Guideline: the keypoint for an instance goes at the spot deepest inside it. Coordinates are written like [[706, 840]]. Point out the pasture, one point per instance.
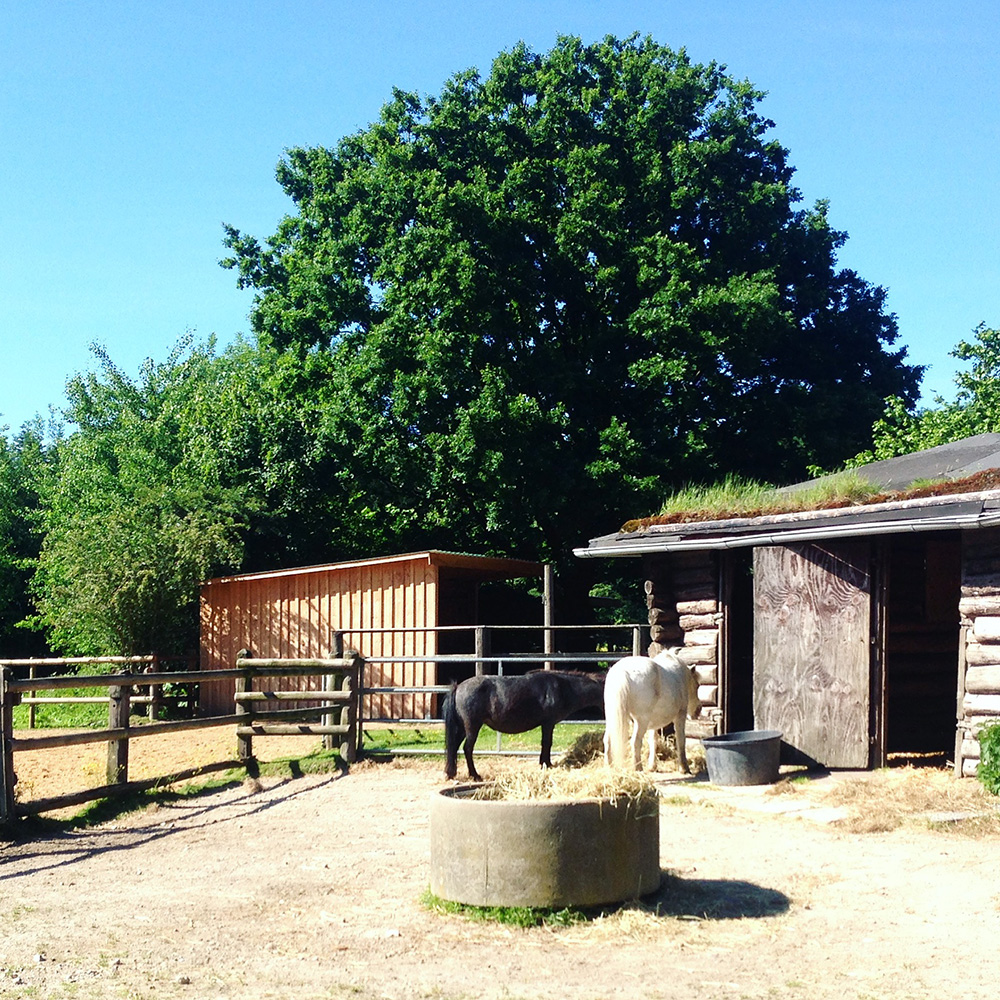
[[312, 887]]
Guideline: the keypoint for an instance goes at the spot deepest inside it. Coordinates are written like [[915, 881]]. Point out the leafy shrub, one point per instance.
[[989, 757]]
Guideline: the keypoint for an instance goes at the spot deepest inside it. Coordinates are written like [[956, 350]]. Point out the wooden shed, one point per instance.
[[298, 612], [860, 632]]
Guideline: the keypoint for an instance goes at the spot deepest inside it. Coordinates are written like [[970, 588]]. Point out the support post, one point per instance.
[[548, 599], [351, 682], [244, 709], [8, 779], [155, 690], [119, 709], [32, 706], [329, 716], [483, 648]]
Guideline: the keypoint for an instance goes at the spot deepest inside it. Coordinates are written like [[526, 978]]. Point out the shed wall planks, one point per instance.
[[297, 616], [296, 613]]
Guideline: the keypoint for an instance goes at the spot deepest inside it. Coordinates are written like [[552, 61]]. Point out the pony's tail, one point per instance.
[[617, 741], [452, 732]]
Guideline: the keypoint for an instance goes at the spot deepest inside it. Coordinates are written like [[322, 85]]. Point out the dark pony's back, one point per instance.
[[514, 704]]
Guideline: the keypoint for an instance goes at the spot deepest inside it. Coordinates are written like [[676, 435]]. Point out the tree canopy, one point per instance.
[[556, 291], [975, 408], [131, 523], [501, 319]]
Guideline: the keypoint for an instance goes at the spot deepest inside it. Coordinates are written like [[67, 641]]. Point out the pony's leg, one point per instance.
[[545, 758], [679, 727], [637, 733], [651, 751], [471, 735], [607, 747]]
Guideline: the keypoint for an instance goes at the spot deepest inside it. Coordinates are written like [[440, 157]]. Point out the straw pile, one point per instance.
[[593, 782]]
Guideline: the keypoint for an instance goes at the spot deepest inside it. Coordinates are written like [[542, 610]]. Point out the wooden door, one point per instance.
[[812, 649]]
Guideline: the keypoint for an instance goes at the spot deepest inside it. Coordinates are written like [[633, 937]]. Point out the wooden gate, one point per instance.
[[812, 649]]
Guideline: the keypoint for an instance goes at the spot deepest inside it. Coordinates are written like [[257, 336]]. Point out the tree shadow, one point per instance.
[[713, 899]]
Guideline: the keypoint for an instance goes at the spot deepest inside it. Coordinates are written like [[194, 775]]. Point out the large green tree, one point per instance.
[[27, 464], [557, 291], [135, 518], [975, 408]]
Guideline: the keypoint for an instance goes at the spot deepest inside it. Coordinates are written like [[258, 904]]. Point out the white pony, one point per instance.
[[650, 693]]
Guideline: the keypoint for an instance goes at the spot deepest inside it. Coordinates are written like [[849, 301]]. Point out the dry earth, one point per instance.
[[311, 887]]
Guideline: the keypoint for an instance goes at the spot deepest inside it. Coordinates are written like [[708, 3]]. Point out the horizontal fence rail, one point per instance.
[[335, 714], [154, 699], [336, 710]]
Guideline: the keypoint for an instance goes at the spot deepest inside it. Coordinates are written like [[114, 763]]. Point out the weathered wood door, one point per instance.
[[812, 648]]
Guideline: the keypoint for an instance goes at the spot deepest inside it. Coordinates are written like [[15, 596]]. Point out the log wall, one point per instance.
[[979, 608], [684, 610]]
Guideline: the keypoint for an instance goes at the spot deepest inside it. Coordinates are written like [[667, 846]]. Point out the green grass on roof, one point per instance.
[[735, 497]]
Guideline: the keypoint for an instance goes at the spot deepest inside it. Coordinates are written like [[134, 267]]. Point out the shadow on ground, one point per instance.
[[714, 899]]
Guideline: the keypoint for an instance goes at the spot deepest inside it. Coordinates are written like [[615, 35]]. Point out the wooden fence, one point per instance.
[[154, 699], [257, 712]]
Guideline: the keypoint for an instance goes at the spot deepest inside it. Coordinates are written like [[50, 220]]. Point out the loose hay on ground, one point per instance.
[[589, 748], [881, 801]]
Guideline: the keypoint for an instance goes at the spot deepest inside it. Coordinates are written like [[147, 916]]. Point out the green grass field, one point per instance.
[[430, 736]]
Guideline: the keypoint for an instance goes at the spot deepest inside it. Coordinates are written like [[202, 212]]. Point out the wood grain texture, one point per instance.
[[811, 649]]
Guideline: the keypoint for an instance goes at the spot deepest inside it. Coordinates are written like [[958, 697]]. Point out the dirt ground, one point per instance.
[[311, 887]]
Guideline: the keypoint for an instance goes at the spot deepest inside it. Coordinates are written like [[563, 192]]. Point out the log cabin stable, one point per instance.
[[862, 633]]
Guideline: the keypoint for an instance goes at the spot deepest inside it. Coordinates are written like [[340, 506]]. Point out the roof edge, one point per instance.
[[433, 557]]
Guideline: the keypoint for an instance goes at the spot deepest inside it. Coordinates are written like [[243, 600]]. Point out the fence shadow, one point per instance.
[[49, 844]]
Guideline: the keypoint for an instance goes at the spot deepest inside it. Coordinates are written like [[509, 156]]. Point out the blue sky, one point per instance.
[[129, 132]]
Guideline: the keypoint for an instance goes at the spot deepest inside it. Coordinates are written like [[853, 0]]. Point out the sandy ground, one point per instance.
[[311, 887]]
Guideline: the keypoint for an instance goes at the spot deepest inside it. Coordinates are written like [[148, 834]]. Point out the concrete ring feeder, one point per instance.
[[541, 852]]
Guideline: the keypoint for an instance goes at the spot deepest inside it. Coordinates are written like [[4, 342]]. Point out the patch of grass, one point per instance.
[[675, 800], [735, 497], [66, 716], [430, 736], [738, 497], [515, 916]]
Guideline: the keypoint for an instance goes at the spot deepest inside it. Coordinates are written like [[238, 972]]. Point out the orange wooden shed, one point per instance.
[[295, 613]]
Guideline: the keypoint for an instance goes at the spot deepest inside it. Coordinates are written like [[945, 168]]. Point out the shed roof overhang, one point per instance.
[[482, 567], [943, 513]]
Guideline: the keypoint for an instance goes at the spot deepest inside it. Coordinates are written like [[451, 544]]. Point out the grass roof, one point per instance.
[[736, 498]]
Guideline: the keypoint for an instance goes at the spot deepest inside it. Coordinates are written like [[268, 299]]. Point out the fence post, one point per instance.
[[154, 689], [32, 706], [7, 776], [119, 709], [244, 683], [351, 682], [329, 684], [637, 640], [357, 719], [548, 600], [483, 648]]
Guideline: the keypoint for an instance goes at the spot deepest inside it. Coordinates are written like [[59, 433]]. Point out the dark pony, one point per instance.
[[514, 704]]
